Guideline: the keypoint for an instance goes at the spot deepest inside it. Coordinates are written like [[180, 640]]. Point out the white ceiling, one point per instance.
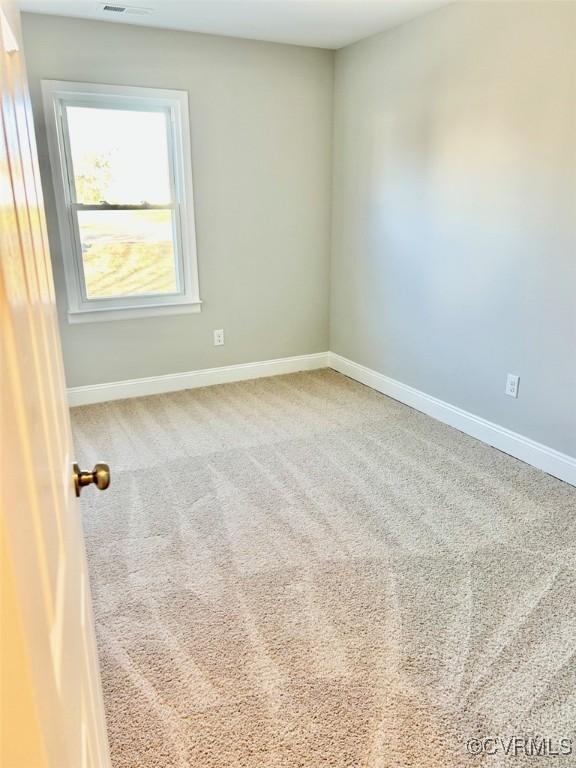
[[319, 23]]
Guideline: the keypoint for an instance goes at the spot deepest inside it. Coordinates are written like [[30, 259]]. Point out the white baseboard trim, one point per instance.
[[541, 456], [155, 385]]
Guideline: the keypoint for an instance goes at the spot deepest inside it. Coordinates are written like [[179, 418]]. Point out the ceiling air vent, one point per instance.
[[127, 9]]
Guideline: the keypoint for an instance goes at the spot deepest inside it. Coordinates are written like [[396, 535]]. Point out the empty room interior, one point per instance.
[[288, 334]]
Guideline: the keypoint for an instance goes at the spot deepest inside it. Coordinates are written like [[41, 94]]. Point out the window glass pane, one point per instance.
[[119, 156], [127, 253]]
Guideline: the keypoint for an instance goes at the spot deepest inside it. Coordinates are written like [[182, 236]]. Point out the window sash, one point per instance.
[[123, 206], [128, 106], [59, 95], [104, 206], [129, 299]]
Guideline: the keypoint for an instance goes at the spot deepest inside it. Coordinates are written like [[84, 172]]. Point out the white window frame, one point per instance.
[[58, 94]]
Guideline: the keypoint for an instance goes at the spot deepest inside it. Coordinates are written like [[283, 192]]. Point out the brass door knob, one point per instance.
[[100, 477]]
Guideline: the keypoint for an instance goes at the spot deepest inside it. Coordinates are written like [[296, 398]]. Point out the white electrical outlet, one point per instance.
[[512, 383], [219, 337]]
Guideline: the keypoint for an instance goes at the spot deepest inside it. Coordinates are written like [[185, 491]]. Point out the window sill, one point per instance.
[[131, 313]]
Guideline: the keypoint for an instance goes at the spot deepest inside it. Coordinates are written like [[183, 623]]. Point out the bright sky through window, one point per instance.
[[119, 156]]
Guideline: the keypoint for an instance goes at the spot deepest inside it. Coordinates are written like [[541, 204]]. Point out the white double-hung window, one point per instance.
[[121, 167]]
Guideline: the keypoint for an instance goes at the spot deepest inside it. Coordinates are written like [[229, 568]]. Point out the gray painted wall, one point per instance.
[[454, 223], [261, 122]]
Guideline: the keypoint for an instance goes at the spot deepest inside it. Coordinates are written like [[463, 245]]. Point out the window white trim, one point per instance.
[[58, 94], [129, 313]]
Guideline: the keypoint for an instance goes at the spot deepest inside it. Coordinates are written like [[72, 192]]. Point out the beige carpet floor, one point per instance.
[[298, 572]]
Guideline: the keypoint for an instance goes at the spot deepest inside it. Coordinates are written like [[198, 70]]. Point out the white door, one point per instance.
[[52, 712]]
